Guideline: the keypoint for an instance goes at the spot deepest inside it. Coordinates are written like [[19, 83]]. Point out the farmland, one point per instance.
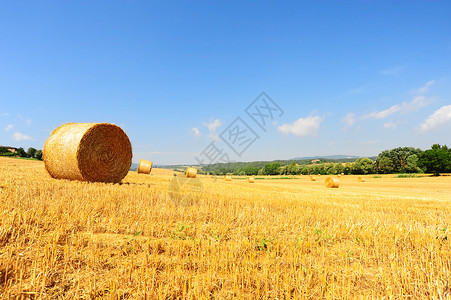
[[276, 238]]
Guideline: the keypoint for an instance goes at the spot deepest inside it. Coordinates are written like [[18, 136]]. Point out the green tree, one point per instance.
[[271, 169], [385, 165], [21, 152], [363, 165], [39, 154], [250, 170], [31, 152], [435, 160], [398, 156], [412, 164]]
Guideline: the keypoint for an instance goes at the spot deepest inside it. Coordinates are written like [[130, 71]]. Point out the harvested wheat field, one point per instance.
[[387, 237]]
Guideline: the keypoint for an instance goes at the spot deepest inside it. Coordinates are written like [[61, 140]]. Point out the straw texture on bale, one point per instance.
[[191, 172], [228, 178], [332, 182], [361, 179], [250, 179], [98, 152], [145, 166]]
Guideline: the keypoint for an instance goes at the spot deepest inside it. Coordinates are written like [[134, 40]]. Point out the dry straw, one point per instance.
[[332, 182], [88, 151], [191, 172], [361, 179], [250, 179], [145, 166], [228, 178]]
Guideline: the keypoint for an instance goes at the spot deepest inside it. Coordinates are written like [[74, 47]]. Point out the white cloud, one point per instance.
[[390, 125], [393, 71], [28, 122], [349, 120], [426, 87], [302, 126], [196, 131], [439, 117], [212, 126], [21, 137], [414, 105], [384, 113], [4, 114], [8, 127]]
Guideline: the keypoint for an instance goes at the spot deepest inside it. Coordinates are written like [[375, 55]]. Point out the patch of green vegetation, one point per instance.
[[377, 176], [406, 176]]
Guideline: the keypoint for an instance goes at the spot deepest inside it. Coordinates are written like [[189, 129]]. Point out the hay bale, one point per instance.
[[145, 166], [88, 151], [342, 174], [250, 179], [332, 182], [191, 172], [228, 178], [312, 178], [361, 179], [339, 175]]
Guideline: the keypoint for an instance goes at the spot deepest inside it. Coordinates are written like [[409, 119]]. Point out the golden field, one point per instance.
[[147, 238]]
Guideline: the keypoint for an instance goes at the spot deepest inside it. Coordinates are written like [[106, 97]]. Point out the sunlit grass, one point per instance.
[[386, 237]]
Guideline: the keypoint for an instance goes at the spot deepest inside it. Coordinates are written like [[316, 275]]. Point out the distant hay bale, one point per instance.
[[191, 172], [332, 182], [145, 166], [98, 152], [361, 179], [250, 179], [339, 175], [342, 174], [228, 178], [312, 178]]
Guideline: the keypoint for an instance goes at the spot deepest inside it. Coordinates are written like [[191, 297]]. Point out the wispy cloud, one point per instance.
[[384, 113], [390, 125], [414, 105], [302, 127], [18, 136], [8, 127], [426, 87], [4, 114], [349, 120], [438, 118], [368, 142], [392, 71], [212, 126], [29, 122], [196, 132]]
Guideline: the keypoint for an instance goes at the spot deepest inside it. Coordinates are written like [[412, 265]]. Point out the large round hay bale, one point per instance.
[[191, 172], [228, 178], [145, 166], [250, 179], [88, 151], [312, 178], [361, 179], [332, 182]]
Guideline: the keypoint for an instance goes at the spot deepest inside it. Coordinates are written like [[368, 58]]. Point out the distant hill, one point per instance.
[[327, 157]]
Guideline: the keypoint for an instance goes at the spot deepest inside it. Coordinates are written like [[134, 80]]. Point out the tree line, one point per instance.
[[397, 160], [20, 152]]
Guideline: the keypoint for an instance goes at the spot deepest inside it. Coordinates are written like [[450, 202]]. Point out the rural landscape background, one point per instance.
[[269, 101]]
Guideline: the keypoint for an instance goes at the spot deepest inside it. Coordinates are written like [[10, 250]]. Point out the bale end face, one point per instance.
[[332, 182]]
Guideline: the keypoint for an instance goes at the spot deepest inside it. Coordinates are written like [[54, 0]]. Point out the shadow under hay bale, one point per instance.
[[145, 166], [332, 182], [98, 152]]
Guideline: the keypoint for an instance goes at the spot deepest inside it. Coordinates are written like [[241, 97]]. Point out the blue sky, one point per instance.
[[352, 77]]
